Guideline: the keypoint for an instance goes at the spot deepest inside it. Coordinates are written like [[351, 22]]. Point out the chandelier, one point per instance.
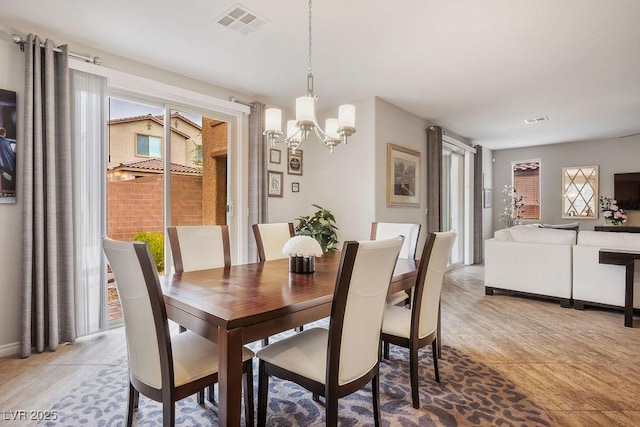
[[298, 130]]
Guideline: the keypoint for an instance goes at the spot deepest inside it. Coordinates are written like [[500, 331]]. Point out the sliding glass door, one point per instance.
[[165, 167]]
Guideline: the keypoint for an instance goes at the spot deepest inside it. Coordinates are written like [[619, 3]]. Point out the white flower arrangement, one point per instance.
[[611, 212], [302, 246]]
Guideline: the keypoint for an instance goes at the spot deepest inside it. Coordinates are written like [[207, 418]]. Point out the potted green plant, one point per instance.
[[321, 226]]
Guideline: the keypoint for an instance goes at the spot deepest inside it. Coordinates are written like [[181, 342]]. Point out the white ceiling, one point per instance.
[[477, 68]]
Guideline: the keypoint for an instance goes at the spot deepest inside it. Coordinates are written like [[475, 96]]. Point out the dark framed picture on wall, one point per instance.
[[8, 135], [295, 187], [274, 156], [403, 176], [294, 162], [275, 183]]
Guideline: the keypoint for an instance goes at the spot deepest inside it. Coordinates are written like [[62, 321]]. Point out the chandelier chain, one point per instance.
[[310, 71]]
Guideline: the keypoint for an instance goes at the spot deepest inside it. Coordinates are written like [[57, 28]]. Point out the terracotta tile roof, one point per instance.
[[155, 165], [526, 166]]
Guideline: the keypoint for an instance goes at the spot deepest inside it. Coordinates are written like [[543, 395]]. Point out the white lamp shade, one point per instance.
[[331, 128], [347, 115], [292, 128], [305, 109], [273, 119]]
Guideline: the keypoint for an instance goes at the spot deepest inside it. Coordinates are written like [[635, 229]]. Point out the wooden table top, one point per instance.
[[247, 294]]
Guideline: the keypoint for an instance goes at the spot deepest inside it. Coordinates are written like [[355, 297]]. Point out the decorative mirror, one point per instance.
[[580, 192]]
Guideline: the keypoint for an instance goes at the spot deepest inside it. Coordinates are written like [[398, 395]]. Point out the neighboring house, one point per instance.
[[139, 168], [141, 137]]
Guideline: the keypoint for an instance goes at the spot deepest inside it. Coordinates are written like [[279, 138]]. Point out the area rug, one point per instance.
[[469, 394]]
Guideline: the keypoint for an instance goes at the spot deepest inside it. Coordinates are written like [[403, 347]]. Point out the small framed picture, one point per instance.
[[275, 183], [295, 187], [274, 156], [294, 162]]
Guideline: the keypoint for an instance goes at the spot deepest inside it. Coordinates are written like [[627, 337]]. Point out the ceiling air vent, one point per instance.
[[539, 119], [239, 18]]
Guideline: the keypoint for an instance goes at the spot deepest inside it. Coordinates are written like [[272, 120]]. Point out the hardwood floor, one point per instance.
[[582, 367]]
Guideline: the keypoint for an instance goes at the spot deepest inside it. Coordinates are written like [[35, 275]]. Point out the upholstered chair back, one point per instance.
[[270, 239], [199, 247], [361, 293], [433, 265], [387, 230], [128, 261]]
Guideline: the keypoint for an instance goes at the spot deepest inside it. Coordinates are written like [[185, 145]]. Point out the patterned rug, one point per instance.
[[469, 394]]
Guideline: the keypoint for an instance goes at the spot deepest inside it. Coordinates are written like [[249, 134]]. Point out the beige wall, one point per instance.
[[613, 155]]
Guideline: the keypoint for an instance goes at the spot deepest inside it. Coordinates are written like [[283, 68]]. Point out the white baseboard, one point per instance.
[[9, 349]]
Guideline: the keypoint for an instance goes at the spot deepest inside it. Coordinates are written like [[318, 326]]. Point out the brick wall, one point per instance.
[[136, 205]]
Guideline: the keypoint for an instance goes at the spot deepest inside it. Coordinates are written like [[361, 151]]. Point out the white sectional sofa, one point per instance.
[[601, 284], [529, 260]]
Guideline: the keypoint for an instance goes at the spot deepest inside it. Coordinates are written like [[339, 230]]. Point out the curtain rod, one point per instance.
[[90, 59]]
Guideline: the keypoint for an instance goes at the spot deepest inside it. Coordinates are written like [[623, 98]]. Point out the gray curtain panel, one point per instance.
[[434, 179], [46, 192], [477, 207], [257, 175]]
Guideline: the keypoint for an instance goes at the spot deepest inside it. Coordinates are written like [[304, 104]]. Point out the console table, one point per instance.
[[617, 228], [623, 257]]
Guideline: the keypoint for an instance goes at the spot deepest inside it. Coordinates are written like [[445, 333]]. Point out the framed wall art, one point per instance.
[[294, 162], [274, 156], [295, 187], [275, 183], [403, 176], [8, 134]]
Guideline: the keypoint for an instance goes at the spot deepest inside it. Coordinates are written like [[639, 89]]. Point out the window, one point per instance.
[[526, 181], [149, 146]]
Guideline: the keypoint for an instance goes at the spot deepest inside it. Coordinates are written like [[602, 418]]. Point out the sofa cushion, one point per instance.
[[504, 235], [543, 235], [608, 240], [575, 226]]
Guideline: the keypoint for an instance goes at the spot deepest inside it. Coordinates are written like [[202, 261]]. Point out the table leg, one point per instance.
[[230, 377], [628, 296]]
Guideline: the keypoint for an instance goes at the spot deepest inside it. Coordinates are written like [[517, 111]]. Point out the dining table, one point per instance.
[[240, 304]]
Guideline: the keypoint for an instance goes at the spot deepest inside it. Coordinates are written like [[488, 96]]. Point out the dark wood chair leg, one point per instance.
[[169, 413], [249, 415], [265, 342], [413, 374], [136, 400], [375, 391], [131, 405], [201, 397], [263, 389], [331, 410], [212, 393], [434, 350], [316, 398], [385, 351], [299, 328], [439, 330]]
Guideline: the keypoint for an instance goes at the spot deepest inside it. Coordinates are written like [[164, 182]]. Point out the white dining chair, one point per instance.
[[270, 239], [199, 247], [411, 233], [163, 367], [416, 327], [338, 361]]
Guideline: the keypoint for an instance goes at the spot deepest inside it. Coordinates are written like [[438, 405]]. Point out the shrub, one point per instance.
[[155, 240]]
